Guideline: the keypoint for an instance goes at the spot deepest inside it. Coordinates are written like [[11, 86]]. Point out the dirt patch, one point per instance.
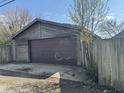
[[76, 87], [87, 87]]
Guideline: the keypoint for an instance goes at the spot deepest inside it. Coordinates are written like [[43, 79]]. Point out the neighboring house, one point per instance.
[[119, 35], [44, 41]]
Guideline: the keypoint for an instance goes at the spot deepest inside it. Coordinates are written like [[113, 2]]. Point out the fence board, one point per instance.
[[5, 53]]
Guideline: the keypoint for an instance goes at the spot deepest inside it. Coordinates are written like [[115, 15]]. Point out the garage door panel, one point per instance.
[[54, 51]]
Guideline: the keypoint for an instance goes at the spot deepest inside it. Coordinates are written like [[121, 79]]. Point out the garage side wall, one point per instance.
[[21, 51], [36, 31]]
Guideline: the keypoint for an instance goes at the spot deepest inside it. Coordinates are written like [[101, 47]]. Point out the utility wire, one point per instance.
[[3, 1], [6, 2]]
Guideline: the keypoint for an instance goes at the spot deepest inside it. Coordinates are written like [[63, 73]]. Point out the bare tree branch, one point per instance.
[[14, 20], [111, 27], [17, 18]]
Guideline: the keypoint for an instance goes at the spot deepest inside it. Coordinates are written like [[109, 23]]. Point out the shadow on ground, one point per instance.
[[22, 74]]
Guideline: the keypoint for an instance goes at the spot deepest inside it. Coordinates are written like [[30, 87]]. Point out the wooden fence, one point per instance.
[[110, 60], [5, 53], [109, 57]]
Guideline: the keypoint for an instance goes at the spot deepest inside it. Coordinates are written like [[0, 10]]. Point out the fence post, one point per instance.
[[78, 52], [13, 51]]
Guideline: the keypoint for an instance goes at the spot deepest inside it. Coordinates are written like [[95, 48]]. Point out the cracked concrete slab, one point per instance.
[[58, 71]]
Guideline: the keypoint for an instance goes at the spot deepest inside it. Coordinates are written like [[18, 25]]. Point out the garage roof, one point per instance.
[[68, 26]]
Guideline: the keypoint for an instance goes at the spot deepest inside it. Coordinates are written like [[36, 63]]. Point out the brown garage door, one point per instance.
[[54, 51]]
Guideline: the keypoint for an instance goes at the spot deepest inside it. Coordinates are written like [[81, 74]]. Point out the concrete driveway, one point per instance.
[[57, 71]]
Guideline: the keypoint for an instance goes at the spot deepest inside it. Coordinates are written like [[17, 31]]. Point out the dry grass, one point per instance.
[[10, 84], [28, 85]]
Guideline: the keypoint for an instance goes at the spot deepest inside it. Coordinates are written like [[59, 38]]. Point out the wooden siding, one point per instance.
[[39, 31]]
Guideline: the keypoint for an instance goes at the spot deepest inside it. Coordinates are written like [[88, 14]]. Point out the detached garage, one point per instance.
[[49, 42]]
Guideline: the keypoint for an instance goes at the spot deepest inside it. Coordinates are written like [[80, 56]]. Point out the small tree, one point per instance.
[[88, 14]]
